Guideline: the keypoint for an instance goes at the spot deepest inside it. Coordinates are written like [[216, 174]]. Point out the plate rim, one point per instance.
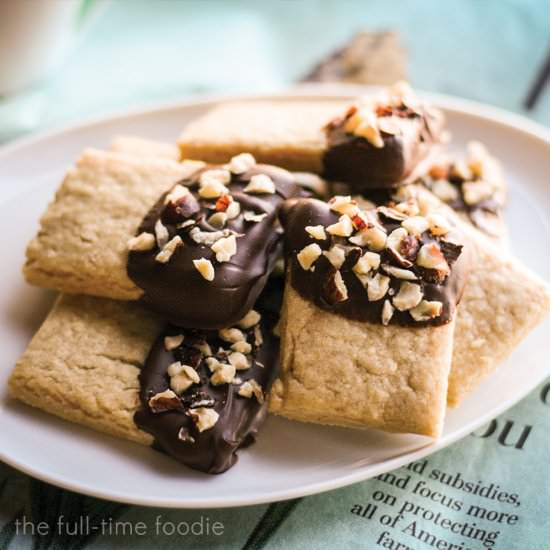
[[487, 113]]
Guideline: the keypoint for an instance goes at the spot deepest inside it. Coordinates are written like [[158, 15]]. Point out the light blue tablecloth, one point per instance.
[[144, 51]]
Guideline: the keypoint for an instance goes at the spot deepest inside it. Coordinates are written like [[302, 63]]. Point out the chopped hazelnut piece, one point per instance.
[[317, 232], [444, 190], [180, 382], [219, 175], [308, 255], [252, 388], [399, 273], [342, 228], [213, 364], [242, 347], [336, 255], [426, 310], [260, 183], [416, 225], [223, 202], [395, 238], [439, 224], [372, 236], [173, 342], [143, 242], [250, 216], [387, 312], [409, 296], [476, 191], [371, 133], [238, 360], [231, 335], [203, 347], [377, 287], [204, 418], [366, 263], [212, 183], [223, 375], [207, 237], [174, 369], [334, 289], [233, 210], [161, 234], [178, 192], [225, 248], [460, 170], [185, 436], [343, 204], [164, 401], [218, 220], [431, 257], [205, 268], [239, 164], [168, 250], [258, 337], [249, 320]]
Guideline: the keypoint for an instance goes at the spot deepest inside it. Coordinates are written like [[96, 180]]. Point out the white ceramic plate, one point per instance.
[[290, 459]]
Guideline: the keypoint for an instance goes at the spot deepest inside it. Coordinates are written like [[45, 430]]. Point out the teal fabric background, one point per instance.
[[143, 51]]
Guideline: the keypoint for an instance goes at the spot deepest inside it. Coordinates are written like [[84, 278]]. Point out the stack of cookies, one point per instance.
[[330, 263]]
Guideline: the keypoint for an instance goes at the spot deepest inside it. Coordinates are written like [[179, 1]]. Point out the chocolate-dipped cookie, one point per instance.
[[203, 253], [380, 140]]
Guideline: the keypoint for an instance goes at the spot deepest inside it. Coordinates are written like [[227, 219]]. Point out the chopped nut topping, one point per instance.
[[164, 401], [391, 214], [409, 296], [212, 183], [367, 262], [399, 273], [444, 190], [426, 310], [218, 220], [174, 369], [238, 360], [416, 225], [344, 204], [260, 183], [203, 347], [476, 191], [317, 232], [173, 342], [242, 347], [249, 320], [239, 164], [143, 242], [258, 338], [223, 202], [334, 289], [233, 210], [204, 418], [223, 375], [389, 126], [250, 216], [395, 238], [387, 312], [161, 233], [308, 255], [370, 132], [373, 236], [377, 287], [178, 192], [431, 257], [205, 268], [460, 170], [213, 364], [180, 382], [225, 248], [336, 255], [168, 250], [207, 237], [252, 388], [231, 335], [185, 436], [439, 225], [342, 228], [218, 175]]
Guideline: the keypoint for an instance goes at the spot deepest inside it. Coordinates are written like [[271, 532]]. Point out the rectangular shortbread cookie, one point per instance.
[[84, 361], [286, 133], [342, 372], [82, 243]]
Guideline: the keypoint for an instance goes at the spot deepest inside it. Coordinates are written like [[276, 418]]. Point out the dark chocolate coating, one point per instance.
[[299, 213], [354, 160], [178, 291], [214, 450]]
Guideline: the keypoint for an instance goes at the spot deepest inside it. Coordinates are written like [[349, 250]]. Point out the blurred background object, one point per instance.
[[144, 51]]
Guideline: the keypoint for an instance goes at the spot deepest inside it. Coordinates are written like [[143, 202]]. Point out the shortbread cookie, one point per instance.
[[202, 392], [198, 252], [375, 142], [371, 295], [289, 134], [84, 361], [82, 243], [141, 147]]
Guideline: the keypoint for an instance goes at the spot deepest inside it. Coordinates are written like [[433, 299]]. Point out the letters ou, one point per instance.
[[502, 438]]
